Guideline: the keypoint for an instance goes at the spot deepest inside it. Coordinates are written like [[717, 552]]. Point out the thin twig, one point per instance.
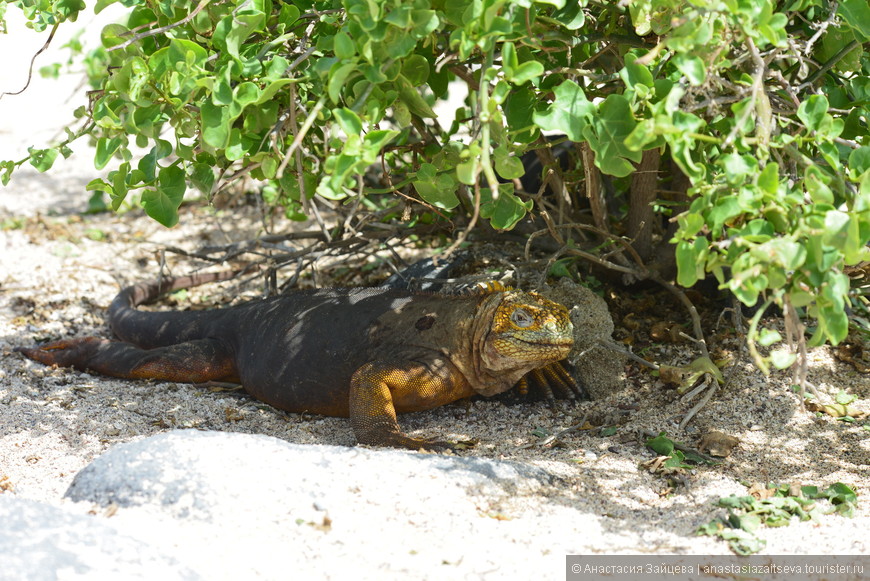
[[474, 217], [32, 60], [625, 352], [693, 312], [303, 131], [162, 29], [757, 91], [641, 274], [707, 396]]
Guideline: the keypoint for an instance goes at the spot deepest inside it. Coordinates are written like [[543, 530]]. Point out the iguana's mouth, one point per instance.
[[567, 343]]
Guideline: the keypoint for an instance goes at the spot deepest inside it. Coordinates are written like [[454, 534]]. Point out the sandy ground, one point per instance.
[[59, 270]]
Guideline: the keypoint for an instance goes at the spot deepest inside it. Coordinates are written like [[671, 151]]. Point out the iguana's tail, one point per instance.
[[189, 351], [152, 329], [146, 292]]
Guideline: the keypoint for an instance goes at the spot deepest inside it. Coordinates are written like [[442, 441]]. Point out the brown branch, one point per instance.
[[554, 177], [829, 64], [593, 188], [464, 74], [644, 183], [639, 274]]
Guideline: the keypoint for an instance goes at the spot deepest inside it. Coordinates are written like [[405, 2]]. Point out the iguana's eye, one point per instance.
[[522, 318]]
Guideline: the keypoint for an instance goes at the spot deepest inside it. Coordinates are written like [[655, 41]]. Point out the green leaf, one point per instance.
[[467, 171], [42, 159], [844, 398], [509, 60], [859, 160], [768, 179], [782, 358], [215, 122], [7, 167], [172, 183], [750, 522], [244, 94], [202, 177], [690, 261], [272, 89], [148, 163], [349, 121], [98, 185], [235, 149], [412, 98], [838, 230], [114, 34], [162, 202], [661, 445], [571, 15], [737, 167], [634, 74], [570, 112], [120, 178], [768, 337], [526, 72], [507, 166], [505, 212], [519, 108], [856, 14], [785, 252], [690, 224], [726, 207], [415, 69], [106, 148], [101, 4], [438, 190], [692, 67], [606, 135], [815, 183], [377, 140], [287, 16], [812, 111], [235, 28], [338, 79], [425, 21], [343, 46], [166, 59]]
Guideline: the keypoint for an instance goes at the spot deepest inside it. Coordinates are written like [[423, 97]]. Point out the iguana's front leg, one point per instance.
[[189, 362], [380, 388]]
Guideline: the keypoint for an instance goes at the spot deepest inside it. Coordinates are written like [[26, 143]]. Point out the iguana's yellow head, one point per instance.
[[527, 331]]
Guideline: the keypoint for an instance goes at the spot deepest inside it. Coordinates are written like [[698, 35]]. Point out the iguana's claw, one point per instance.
[[555, 377]]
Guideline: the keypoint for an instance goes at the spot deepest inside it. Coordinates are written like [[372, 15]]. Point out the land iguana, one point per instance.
[[363, 353]]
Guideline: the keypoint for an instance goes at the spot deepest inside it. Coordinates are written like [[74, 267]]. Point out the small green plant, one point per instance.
[[779, 505], [664, 446]]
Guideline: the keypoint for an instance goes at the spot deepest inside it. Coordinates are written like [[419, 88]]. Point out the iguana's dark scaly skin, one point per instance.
[[364, 353]]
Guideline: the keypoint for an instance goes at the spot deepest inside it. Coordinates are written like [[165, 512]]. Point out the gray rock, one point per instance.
[[231, 503], [599, 368], [211, 476], [39, 542]]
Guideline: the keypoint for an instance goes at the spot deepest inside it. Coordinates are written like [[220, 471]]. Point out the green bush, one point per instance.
[[762, 105]]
